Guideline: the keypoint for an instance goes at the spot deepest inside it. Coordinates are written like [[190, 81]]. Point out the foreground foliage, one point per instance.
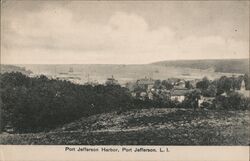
[[41, 104], [147, 127], [38, 104]]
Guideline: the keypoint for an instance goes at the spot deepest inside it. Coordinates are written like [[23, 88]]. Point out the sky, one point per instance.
[[122, 32]]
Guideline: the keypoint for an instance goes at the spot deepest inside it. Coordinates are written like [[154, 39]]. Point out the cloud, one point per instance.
[[52, 35]]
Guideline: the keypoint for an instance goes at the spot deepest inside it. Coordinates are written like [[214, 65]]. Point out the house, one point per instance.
[[178, 94], [180, 84], [143, 95], [150, 86], [9, 129], [150, 95], [92, 83], [243, 91], [159, 93], [133, 94], [208, 100], [33, 75], [145, 83], [173, 80]]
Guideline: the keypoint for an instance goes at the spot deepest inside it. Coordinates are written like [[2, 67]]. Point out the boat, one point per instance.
[[71, 70]]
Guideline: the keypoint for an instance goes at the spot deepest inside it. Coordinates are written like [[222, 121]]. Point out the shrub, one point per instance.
[[38, 104]]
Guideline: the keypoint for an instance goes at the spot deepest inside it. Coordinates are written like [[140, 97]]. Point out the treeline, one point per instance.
[[222, 85], [38, 104], [224, 91]]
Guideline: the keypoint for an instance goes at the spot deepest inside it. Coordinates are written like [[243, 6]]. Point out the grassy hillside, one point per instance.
[[147, 127], [219, 65]]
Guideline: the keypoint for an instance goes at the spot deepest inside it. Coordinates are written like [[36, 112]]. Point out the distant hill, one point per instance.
[[219, 65], [13, 68]]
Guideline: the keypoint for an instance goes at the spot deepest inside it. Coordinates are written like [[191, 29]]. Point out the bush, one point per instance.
[[233, 101], [38, 104]]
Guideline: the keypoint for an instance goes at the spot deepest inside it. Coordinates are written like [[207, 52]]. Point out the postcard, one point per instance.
[[124, 80]]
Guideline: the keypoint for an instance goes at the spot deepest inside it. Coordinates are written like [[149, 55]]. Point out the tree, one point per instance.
[[192, 98], [247, 81], [38, 104], [234, 101], [204, 84], [224, 84], [210, 91], [188, 85], [157, 84], [167, 84]]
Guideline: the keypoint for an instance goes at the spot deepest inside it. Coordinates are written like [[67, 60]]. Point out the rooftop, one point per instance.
[[180, 92]]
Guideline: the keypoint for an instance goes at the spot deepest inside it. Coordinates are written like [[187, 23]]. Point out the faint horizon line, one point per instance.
[[215, 59]]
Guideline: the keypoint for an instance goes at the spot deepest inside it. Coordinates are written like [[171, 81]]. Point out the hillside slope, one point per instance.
[[147, 127], [219, 65]]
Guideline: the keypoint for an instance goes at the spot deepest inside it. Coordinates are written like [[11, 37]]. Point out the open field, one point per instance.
[[147, 127]]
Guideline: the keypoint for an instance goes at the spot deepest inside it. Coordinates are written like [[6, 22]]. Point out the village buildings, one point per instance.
[[207, 100], [145, 83], [179, 91], [148, 88], [179, 95]]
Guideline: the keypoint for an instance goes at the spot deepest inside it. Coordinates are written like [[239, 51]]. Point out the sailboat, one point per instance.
[[71, 70]]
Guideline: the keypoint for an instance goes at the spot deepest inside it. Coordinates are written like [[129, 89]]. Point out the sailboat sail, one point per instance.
[[71, 70]]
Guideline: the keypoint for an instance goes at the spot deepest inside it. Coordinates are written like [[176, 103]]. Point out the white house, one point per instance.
[[203, 99], [243, 91], [179, 95]]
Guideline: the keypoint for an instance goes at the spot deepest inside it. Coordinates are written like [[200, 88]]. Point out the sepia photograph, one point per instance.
[[141, 73]]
